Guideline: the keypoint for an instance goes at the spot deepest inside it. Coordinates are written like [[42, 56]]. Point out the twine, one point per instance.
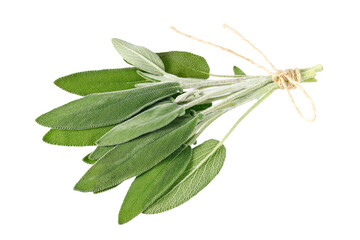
[[286, 79]]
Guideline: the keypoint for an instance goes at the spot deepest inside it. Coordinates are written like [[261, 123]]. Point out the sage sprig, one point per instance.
[[144, 121]]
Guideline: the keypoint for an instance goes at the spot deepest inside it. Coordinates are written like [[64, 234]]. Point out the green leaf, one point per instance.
[[139, 57], [100, 152], [87, 137], [107, 80], [104, 109], [137, 156], [201, 170], [238, 71], [87, 160], [150, 120], [185, 64], [181, 64], [150, 185]]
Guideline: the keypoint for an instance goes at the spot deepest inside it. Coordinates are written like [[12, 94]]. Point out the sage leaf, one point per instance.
[[185, 64], [150, 185], [87, 160], [152, 119], [87, 137], [139, 57], [137, 156], [104, 109], [201, 170], [238, 71], [106, 80], [181, 64]]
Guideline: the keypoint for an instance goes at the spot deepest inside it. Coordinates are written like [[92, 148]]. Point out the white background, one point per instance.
[[283, 178]]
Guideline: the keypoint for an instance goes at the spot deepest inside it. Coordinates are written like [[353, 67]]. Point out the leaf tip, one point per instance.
[[122, 219], [120, 222], [82, 186], [46, 138], [87, 160], [61, 83], [125, 216], [115, 41], [58, 81], [238, 71], [40, 120]]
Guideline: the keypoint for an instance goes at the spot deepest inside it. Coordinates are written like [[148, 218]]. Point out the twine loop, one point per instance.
[[286, 79]]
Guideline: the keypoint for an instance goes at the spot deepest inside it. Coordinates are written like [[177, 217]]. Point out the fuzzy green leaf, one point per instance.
[[137, 156], [201, 170], [150, 185], [181, 64], [150, 120], [238, 71], [87, 137], [185, 64], [139, 57], [105, 109], [106, 80]]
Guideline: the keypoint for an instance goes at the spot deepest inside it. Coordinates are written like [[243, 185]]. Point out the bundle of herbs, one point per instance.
[[144, 121]]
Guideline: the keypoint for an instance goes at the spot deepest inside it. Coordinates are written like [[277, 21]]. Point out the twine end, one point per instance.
[[291, 79]]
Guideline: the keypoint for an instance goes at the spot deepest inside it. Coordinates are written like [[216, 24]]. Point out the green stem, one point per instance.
[[224, 82], [230, 99], [245, 114], [239, 99], [203, 125], [238, 121], [232, 88]]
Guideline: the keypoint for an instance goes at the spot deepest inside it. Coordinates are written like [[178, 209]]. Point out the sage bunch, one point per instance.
[[145, 120]]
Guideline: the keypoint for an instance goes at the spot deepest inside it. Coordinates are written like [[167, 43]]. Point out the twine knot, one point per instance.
[[289, 78]]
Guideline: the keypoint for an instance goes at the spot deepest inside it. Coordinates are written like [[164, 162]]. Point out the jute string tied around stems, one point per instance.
[[286, 79]]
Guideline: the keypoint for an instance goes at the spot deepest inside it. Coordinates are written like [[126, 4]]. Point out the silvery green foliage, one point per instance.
[[144, 120], [132, 158], [104, 109], [204, 165], [139, 57], [149, 186], [150, 120]]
